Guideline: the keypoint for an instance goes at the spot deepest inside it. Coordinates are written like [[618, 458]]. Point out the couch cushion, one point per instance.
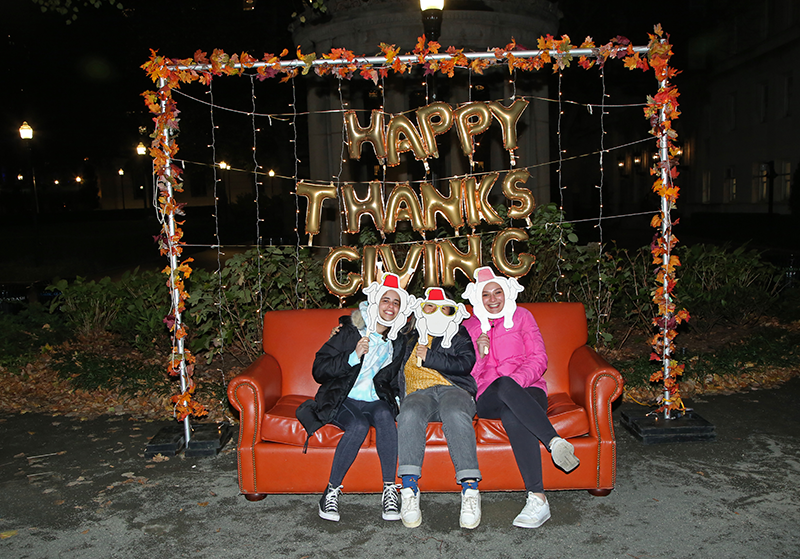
[[568, 419], [280, 425]]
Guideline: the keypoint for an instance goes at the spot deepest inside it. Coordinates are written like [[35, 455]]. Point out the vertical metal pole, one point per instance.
[[666, 233], [173, 264]]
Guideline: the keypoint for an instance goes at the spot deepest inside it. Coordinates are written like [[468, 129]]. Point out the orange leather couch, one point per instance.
[[581, 387]]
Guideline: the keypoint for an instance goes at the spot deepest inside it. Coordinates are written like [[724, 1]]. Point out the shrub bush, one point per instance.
[[27, 333], [717, 284], [224, 310]]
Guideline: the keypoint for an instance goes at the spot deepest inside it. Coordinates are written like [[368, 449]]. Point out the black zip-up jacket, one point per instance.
[[336, 376], [454, 363]]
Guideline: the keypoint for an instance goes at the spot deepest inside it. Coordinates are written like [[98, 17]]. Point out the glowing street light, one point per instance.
[[121, 173], [432, 18], [141, 149], [25, 131]]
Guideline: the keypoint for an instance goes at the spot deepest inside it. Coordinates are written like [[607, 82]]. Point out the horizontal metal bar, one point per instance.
[[406, 58]]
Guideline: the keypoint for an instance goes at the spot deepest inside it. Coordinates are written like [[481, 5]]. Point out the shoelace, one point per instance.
[[470, 504], [332, 499], [391, 498]]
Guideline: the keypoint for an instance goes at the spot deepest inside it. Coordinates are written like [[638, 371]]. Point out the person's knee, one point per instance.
[[358, 428], [383, 416], [507, 383], [457, 411]]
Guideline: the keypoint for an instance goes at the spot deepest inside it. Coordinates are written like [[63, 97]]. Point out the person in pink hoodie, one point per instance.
[[509, 370]]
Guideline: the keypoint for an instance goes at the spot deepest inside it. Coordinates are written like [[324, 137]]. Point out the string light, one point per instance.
[[599, 225], [560, 257], [256, 167], [220, 287], [296, 196]]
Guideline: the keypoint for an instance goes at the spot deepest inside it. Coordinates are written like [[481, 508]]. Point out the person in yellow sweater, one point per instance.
[[435, 384]]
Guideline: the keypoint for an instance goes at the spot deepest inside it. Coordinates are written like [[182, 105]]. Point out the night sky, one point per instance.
[[79, 85]]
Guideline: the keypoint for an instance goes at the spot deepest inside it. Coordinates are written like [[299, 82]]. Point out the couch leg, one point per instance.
[[599, 492], [254, 496]]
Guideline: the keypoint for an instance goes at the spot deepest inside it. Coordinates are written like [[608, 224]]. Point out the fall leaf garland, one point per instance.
[[661, 109]]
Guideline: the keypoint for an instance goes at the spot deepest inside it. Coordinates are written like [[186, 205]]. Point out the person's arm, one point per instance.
[[533, 360], [333, 358], [458, 360]]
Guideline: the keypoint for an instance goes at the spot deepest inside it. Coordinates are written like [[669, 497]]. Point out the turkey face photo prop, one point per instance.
[[438, 316], [474, 293], [374, 292]]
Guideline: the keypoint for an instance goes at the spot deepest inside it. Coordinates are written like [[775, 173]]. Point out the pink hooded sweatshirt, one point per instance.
[[517, 352]]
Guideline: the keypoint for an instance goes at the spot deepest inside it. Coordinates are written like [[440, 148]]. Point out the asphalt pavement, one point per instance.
[[83, 488]]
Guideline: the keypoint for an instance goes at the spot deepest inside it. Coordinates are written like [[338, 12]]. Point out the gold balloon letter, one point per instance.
[[329, 272], [467, 127], [369, 265], [430, 129], [499, 253], [521, 195], [390, 262], [358, 135], [508, 118], [431, 264], [403, 205], [356, 207], [411, 141], [453, 258], [476, 200], [433, 201], [315, 194]]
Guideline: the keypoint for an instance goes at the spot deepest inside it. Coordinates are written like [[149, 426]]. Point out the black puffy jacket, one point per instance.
[[454, 363], [336, 376]]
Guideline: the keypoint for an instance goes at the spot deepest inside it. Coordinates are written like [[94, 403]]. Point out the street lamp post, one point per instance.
[[432, 18], [141, 151], [226, 182], [26, 133], [122, 186], [271, 187]]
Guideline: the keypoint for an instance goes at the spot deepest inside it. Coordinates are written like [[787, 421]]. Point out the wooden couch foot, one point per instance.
[[599, 492], [254, 496]]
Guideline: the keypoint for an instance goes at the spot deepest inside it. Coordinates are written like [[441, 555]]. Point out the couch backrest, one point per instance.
[[293, 337]]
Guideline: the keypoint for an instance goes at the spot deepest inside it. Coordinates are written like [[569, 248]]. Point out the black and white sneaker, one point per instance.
[[390, 502], [329, 503]]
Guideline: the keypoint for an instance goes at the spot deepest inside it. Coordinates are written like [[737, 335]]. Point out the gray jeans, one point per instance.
[[455, 408]]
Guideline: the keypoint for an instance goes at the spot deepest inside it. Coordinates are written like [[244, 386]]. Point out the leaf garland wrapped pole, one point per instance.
[[163, 149], [662, 110], [343, 64]]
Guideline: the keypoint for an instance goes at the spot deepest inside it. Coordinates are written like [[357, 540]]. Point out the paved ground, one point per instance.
[[74, 488]]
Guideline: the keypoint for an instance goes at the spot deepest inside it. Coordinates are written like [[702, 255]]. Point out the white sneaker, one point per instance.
[[535, 513], [470, 509], [409, 509], [564, 454], [390, 502]]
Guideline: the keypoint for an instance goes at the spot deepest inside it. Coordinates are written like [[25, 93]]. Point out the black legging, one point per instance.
[[354, 418], [524, 415]]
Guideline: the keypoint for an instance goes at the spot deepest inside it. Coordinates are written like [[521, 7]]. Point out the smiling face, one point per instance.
[[389, 305], [493, 298]]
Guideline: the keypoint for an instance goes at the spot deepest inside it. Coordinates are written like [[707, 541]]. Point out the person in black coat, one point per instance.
[[435, 384], [357, 369]]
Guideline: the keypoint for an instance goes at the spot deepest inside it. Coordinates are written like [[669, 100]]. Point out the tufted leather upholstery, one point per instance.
[[581, 387]]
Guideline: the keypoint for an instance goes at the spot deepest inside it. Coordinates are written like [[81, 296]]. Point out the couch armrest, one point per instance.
[[252, 392], [594, 385]]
